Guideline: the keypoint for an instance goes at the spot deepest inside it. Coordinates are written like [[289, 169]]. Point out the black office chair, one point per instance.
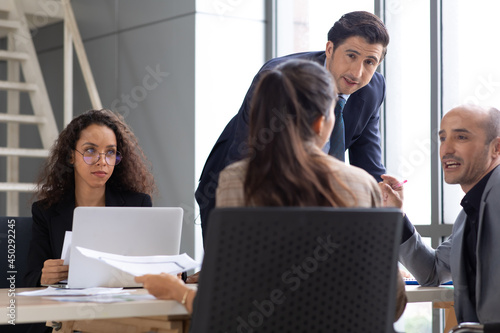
[[15, 237], [299, 270], [476, 328]]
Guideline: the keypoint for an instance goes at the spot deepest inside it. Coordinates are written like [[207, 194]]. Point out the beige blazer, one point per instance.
[[363, 185], [230, 190]]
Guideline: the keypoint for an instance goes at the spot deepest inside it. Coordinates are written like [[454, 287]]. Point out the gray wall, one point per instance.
[[204, 57], [125, 41]]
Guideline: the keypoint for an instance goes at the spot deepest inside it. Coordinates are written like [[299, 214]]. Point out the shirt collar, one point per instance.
[[344, 96]]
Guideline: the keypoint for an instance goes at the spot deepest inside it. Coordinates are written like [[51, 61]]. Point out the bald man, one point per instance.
[[470, 155]]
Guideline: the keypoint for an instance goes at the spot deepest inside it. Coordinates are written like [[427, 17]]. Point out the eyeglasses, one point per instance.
[[92, 156]]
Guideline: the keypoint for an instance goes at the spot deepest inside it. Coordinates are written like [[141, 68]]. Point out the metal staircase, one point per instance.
[[24, 76]]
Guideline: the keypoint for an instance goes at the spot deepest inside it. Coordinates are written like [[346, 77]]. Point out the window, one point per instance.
[[470, 70], [407, 104], [442, 54], [303, 25]]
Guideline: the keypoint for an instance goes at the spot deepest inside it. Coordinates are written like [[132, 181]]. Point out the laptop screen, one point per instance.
[[131, 231]]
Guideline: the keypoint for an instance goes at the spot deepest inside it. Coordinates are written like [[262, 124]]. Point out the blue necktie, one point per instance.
[[337, 139]]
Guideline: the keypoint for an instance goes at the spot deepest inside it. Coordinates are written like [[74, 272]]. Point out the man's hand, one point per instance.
[[392, 192]]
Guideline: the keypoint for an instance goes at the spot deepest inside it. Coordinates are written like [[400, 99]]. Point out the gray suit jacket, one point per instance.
[[433, 267]]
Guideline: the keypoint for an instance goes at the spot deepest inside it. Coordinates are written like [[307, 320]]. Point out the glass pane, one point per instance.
[[303, 25], [407, 103], [470, 70], [417, 316]]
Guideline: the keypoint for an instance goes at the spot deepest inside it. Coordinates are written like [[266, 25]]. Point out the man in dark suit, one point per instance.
[[357, 43]]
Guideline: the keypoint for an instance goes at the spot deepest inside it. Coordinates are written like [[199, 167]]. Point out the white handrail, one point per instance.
[[68, 76], [74, 34]]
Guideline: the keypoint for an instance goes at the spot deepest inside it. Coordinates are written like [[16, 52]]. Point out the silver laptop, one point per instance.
[[133, 231]]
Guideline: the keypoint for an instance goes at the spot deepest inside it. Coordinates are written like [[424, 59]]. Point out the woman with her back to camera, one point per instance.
[[96, 161], [291, 119]]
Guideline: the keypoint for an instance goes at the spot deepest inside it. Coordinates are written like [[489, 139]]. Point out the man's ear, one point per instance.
[[318, 124], [496, 147], [329, 49]]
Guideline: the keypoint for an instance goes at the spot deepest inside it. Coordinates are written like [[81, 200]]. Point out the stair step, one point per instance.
[[21, 118], [17, 187], [24, 152], [10, 55], [9, 24], [21, 86]]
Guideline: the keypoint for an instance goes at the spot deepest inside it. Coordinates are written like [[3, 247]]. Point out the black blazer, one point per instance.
[[362, 134], [50, 225]]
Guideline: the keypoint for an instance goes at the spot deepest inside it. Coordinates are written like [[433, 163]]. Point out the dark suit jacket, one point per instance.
[[50, 225], [362, 134]]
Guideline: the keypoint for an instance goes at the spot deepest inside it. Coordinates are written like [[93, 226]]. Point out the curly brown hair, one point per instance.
[[57, 177]]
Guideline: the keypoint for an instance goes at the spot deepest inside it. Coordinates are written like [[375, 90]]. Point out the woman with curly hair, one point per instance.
[[96, 161]]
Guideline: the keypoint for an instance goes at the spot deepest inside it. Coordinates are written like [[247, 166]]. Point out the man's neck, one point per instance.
[[467, 187]]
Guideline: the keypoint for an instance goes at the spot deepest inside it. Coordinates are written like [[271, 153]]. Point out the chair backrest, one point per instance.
[[299, 270], [15, 237], [476, 328]]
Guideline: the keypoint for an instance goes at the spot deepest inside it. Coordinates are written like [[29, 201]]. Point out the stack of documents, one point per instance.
[[137, 265]]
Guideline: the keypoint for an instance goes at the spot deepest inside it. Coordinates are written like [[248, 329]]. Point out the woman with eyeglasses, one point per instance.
[[96, 161]]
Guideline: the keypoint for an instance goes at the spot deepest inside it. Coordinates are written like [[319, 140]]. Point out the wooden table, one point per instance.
[[152, 315], [128, 317]]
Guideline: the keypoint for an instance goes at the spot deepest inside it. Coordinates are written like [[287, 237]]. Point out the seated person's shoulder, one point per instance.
[[42, 207], [229, 191], [39, 204], [236, 169], [351, 173]]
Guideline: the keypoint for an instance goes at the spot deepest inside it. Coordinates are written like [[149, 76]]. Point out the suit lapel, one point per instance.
[[482, 242], [61, 220], [462, 300], [479, 262]]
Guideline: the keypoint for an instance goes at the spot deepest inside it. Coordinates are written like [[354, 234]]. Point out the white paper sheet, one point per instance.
[[51, 291], [137, 265], [66, 247], [104, 298]]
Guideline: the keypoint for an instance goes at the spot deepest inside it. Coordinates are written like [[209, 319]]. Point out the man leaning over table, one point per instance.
[[470, 155], [357, 44]]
